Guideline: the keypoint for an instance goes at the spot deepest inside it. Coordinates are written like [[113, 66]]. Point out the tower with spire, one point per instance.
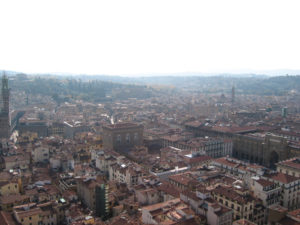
[[4, 110], [232, 94]]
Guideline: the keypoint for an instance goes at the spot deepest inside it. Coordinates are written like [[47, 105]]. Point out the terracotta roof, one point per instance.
[[228, 180], [288, 221], [157, 206], [169, 189], [199, 159], [264, 182], [194, 124], [191, 195], [222, 129], [149, 190], [30, 212], [31, 192], [121, 125], [123, 221], [6, 218], [51, 189], [173, 138], [69, 193], [226, 162], [282, 177], [203, 189], [191, 221], [278, 208], [222, 211], [243, 129], [235, 130], [232, 195], [295, 214], [294, 163], [244, 222], [8, 199], [183, 179]]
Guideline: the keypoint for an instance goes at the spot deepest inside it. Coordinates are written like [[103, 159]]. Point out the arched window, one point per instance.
[[128, 138], [119, 138], [135, 136]]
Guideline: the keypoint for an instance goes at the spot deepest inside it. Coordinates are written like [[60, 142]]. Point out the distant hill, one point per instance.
[[65, 89], [100, 87], [246, 84]]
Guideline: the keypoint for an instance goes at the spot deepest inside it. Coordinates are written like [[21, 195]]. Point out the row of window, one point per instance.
[[287, 172], [9, 187], [127, 137], [232, 205]]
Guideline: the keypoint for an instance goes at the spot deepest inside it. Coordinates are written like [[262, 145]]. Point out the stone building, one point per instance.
[[93, 192], [34, 126], [210, 146], [122, 136], [241, 202], [290, 187], [265, 149], [268, 191], [123, 173], [250, 144], [86, 190], [290, 167], [5, 129]]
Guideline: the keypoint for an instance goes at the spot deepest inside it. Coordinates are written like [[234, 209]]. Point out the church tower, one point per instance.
[[232, 94], [4, 110]]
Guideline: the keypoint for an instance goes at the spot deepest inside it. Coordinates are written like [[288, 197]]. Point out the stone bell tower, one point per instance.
[[4, 110]]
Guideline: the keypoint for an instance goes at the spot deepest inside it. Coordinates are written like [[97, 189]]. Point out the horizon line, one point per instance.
[[276, 72]]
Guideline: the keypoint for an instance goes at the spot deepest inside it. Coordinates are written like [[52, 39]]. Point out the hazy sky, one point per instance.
[[143, 37]]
